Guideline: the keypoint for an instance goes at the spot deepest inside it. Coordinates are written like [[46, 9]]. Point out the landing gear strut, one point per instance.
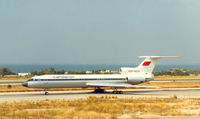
[[99, 90], [46, 91], [117, 92]]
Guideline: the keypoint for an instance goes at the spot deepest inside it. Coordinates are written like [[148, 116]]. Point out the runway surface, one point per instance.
[[20, 96], [4, 82]]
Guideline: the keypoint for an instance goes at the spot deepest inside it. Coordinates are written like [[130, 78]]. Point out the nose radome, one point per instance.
[[25, 84]]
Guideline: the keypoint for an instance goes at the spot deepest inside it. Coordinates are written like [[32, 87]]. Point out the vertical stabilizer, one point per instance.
[[149, 63]]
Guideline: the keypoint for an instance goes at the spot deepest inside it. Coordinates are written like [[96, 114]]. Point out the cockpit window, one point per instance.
[[30, 80]]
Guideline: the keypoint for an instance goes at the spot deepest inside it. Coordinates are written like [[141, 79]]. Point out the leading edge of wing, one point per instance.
[[118, 85]]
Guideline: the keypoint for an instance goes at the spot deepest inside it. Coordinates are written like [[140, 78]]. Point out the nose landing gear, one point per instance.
[[46, 91]]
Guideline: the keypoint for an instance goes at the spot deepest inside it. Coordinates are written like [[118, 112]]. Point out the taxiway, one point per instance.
[[128, 93]]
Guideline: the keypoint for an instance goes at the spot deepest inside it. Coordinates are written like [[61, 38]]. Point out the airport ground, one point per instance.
[[176, 99], [169, 103]]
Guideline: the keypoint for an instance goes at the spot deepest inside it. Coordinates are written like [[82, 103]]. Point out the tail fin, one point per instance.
[[149, 63]]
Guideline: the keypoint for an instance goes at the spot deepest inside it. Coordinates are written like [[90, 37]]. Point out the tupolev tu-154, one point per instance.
[[128, 77]]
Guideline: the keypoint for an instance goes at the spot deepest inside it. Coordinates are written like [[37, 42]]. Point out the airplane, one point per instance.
[[128, 77]]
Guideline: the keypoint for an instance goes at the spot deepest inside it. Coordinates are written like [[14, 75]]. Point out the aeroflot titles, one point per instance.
[[77, 79], [65, 77]]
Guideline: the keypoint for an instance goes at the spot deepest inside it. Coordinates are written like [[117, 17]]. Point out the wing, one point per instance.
[[116, 85]]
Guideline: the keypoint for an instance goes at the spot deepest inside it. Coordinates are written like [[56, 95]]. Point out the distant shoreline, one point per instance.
[[21, 68]]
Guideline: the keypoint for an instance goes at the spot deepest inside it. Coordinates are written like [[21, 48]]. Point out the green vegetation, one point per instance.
[[48, 71], [171, 72], [53, 71], [76, 72], [176, 72], [6, 71]]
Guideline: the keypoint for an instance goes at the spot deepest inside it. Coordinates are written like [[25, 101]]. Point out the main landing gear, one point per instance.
[[99, 90], [117, 92]]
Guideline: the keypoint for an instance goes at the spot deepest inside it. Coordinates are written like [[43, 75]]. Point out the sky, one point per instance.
[[98, 31]]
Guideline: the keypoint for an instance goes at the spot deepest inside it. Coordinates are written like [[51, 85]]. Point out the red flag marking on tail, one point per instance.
[[146, 63]]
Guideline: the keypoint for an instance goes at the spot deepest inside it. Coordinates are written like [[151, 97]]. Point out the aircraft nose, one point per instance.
[[25, 84]]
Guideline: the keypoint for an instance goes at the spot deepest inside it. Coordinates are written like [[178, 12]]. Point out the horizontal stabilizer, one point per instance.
[[159, 57]]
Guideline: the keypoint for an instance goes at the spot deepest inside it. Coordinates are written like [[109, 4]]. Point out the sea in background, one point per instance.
[[37, 67]]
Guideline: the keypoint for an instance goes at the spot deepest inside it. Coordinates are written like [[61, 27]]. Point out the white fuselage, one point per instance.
[[80, 81]]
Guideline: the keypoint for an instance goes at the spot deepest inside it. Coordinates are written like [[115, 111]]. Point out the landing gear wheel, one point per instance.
[[46, 93], [117, 92], [99, 91]]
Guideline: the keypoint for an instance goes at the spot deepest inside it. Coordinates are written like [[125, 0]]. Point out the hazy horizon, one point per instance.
[[70, 67]]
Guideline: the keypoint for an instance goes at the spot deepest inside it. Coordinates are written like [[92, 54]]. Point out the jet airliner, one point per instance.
[[128, 77]]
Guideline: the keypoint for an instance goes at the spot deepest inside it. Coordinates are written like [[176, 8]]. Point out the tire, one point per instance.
[[46, 93]]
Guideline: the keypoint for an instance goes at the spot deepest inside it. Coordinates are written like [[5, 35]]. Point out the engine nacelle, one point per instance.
[[137, 79]]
